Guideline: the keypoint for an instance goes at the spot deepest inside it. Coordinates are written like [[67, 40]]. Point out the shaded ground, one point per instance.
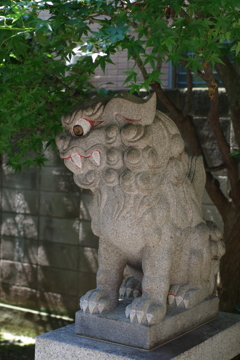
[[16, 347]]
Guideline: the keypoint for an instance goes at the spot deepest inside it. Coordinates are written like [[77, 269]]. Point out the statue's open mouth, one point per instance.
[[77, 159]]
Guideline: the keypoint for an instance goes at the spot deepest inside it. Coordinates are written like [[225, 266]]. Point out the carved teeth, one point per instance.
[[179, 299], [77, 160], [186, 303], [95, 157], [83, 305]]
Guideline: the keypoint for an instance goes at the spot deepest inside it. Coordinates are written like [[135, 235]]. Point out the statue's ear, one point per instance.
[[131, 109]]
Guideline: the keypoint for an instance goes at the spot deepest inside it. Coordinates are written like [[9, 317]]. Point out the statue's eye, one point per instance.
[[78, 130], [81, 127]]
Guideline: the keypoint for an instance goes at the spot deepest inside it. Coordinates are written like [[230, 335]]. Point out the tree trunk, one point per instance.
[[229, 291]]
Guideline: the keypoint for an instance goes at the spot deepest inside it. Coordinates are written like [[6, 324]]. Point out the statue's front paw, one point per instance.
[[144, 310], [130, 287], [96, 302]]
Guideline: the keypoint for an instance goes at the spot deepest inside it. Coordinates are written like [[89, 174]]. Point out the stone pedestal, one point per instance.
[[216, 340], [115, 327]]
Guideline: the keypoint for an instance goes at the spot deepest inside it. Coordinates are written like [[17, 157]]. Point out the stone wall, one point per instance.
[[48, 253]]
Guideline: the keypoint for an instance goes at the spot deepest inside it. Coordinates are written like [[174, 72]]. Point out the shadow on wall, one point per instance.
[[48, 252]]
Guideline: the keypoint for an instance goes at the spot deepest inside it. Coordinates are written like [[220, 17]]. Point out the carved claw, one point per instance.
[[129, 292], [101, 307], [185, 296], [140, 316], [145, 311], [130, 288], [132, 315], [84, 305], [127, 313], [150, 319], [92, 307], [136, 293], [122, 291]]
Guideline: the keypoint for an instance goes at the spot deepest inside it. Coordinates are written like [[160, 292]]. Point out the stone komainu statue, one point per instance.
[[146, 207]]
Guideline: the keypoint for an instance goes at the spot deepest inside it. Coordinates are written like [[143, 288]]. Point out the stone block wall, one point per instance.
[[48, 254]]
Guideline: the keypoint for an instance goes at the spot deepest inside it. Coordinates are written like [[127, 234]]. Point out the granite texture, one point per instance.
[[114, 326], [216, 340], [146, 207]]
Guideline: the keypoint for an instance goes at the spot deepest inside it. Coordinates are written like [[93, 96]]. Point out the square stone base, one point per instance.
[[115, 327], [216, 340]]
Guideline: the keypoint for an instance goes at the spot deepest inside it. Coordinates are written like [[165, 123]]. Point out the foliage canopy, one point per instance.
[[38, 84]]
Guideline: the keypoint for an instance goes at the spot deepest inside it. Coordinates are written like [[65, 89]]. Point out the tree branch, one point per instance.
[[159, 64], [216, 168], [213, 118], [231, 81], [216, 195], [142, 68], [189, 92]]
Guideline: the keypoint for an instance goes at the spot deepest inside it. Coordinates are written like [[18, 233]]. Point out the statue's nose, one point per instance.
[[62, 141]]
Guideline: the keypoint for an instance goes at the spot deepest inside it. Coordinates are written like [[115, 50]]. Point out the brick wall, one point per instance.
[[48, 254]]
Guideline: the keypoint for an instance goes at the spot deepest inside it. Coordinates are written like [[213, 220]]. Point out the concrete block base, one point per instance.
[[218, 339], [114, 326]]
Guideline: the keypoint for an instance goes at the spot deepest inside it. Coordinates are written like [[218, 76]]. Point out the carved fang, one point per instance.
[[95, 157], [186, 303], [76, 158], [179, 300], [171, 299]]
